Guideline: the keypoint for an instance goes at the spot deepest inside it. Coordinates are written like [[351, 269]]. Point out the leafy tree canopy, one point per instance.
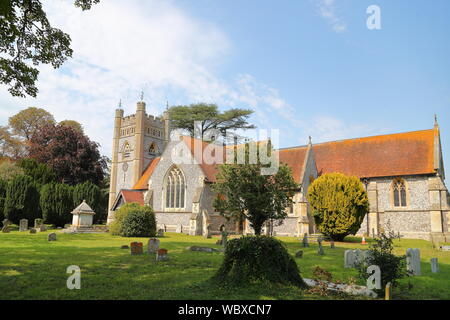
[[210, 118], [27, 121], [73, 124], [245, 193], [10, 147], [28, 39], [9, 169]]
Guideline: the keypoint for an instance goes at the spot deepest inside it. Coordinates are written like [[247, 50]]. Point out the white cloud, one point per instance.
[[327, 10]]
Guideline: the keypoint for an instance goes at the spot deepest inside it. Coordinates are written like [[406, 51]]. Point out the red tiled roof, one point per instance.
[[294, 158], [133, 196], [398, 154], [143, 181]]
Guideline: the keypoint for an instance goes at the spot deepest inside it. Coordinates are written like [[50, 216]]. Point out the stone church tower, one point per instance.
[[138, 138]]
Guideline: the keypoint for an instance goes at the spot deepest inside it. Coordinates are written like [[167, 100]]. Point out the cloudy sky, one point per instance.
[[306, 67]]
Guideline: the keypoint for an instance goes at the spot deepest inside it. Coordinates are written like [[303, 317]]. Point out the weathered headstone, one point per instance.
[[349, 259], [305, 240], [332, 244], [32, 230], [224, 239], [42, 228], [38, 222], [23, 225], [434, 265], [153, 245], [161, 255], [367, 256], [51, 237], [202, 249], [136, 248], [179, 229], [359, 257], [125, 247], [320, 251], [299, 254], [5, 228], [413, 261], [161, 233]]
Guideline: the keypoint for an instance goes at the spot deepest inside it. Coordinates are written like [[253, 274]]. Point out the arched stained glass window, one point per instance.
[[175, 189], [399, 193]]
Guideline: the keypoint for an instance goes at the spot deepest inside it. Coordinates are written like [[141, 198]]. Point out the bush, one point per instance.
[[392, 267], [121, 226], [3, 185], [22, 199], [140, 223], [57, 203], [258, 259], [339, 204]]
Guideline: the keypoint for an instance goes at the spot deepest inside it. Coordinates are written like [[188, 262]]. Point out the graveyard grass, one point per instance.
[[33, 268]]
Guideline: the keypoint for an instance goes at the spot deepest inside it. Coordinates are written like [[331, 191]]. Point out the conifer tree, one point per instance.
[[22, 199]]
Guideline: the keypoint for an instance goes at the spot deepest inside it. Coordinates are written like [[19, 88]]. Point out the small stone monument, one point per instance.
[[5, 228], [136, 248], [413, 261], [160, 232], [37, 223], [305, 240], [161, 255], [332, 244], [434, 265], [224, 238], [32, 231], [320, 251], [51, 237], [153, 245], [42, 228], [83, 217], [23, 225]]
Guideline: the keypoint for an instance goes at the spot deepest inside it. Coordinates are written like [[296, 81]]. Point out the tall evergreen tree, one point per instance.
[[93, 196], [57, 203], [40, 172], [22, 199], [3, 185]]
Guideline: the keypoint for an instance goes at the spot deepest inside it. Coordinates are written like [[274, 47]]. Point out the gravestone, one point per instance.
[[434, 265], [51, 237], [320, 251], [32, 230], [349, 259], [202, 249], [359, 257], [43, 228], [179, 229], [125, 247], [332, 244], [23, 225], [224, 239], [413, 261], [445, 248], [136, 248], [153, 245], [305, 240], [367, 256], [37, 223], [161, 255], [160, 233], [5, 228], [299, 254]]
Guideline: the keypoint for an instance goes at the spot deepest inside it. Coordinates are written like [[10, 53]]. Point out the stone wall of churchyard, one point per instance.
[[288, 228], [191, 172], [172, 220]]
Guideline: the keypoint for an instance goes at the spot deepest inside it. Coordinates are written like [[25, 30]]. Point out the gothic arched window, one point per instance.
[[399, 193], [175, 189]]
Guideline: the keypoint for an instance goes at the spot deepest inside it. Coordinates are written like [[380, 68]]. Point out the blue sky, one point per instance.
[[307, 67]]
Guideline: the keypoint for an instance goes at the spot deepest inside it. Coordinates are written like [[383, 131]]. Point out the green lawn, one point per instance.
[[33, 268]]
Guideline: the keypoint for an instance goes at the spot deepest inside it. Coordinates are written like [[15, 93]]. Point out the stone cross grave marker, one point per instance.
[[51, 237], [434, 265], [320, 251], [413, 261], [136, 248], [153, 245], [23, 225], [161, 255], [305, 240]]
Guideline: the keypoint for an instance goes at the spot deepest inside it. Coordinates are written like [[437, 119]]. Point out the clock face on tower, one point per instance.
[[125, 167]]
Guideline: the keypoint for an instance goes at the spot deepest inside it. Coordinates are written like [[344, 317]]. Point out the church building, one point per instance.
[[403, 174]]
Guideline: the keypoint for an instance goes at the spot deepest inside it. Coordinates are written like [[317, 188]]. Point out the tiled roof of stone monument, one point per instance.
[[83, 208]]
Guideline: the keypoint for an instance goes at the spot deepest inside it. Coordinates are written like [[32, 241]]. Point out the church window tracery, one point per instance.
[[175, 189]]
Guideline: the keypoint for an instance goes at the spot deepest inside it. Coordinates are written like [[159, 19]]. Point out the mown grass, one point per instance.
[[33, 268]]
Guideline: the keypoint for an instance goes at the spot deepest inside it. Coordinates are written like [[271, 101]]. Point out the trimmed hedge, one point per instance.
[[252, 259], [134, 220]]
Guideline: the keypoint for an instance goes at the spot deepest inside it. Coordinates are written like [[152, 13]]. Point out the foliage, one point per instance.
[[40, 172], [28, 37], [89, 192], [3, 185], [22, 199], [9, 169], [392, 267], [258, 259], [56, 203], [210, 118], [117, 226], [28, 121], [139, 223], [10, 146], [322, 277], [72, 156], [339, 204], [245, 193], [73, 124]]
